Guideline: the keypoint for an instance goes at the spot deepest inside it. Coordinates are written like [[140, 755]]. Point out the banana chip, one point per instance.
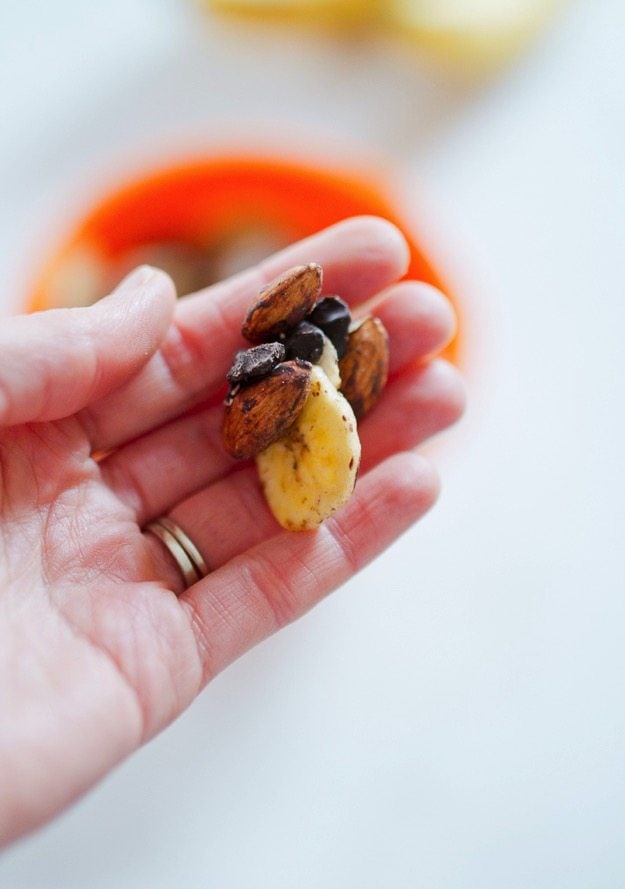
[[311, 471]]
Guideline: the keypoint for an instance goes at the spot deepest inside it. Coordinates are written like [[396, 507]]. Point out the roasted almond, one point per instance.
[[283, 303], [364, 367], [259, 413]]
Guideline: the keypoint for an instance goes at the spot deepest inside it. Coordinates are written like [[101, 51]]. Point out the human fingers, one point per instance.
[[229, 516], [55, 362], [416, 405], [359, 257], [160, 469], [420, 321], [281, 578]]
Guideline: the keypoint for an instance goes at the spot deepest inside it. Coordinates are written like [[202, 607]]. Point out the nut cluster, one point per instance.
[[291, 328]]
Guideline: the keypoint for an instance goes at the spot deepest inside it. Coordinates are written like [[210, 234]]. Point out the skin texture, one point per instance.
[[109, 417]]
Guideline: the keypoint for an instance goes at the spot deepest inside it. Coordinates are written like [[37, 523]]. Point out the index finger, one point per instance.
[[359, 257]]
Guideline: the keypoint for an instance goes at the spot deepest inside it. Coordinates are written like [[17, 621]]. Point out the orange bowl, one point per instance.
[[201, 219]]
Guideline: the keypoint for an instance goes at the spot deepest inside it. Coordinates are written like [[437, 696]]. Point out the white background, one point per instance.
[[454, 718]]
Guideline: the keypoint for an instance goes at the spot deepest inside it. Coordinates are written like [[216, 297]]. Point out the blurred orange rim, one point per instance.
[[208, 202]]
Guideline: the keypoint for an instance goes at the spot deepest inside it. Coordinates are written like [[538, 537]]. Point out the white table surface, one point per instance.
[[454, 718]]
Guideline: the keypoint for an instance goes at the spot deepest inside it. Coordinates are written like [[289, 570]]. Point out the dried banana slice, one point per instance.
[[329, 362], [311, 471]]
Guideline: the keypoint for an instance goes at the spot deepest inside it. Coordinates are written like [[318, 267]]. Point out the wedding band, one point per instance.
[[184, 552]]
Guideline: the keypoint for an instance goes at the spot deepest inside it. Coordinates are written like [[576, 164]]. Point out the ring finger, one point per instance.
[[231, 515]]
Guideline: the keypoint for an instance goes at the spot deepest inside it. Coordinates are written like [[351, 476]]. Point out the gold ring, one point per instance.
[[184, 552]]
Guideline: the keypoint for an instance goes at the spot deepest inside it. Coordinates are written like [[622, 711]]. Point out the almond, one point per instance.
[[283, 303], [259, 413], [364, 367]]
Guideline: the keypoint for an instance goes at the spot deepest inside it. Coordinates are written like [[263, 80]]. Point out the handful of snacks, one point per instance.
[[297, 393]]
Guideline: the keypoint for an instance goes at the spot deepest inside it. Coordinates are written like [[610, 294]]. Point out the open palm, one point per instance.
[[100, 644]]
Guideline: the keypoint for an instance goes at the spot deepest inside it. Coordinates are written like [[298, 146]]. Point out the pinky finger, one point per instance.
[[280, 579]]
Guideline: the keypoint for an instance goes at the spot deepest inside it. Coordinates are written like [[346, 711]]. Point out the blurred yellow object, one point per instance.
[[476, 33], [333, 11], [480, 33]]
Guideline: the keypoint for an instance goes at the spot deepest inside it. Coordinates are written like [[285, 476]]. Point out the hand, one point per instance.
[[100, 644]]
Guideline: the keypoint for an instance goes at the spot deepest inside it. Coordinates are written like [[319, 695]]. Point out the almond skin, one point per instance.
[[259, 413], [283, 303], [364, 367]]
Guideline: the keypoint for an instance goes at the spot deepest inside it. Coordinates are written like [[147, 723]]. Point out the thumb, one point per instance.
[[54, 363]]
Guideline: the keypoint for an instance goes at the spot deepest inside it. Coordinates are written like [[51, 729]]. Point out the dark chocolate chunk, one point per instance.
[[332, 315], [305, 341], [250, 364]]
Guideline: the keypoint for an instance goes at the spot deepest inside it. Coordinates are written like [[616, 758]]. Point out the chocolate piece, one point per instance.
[[250, 364], [332, 315], [305, 341]]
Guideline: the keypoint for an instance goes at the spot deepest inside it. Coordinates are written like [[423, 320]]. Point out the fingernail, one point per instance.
[[136, 278]]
